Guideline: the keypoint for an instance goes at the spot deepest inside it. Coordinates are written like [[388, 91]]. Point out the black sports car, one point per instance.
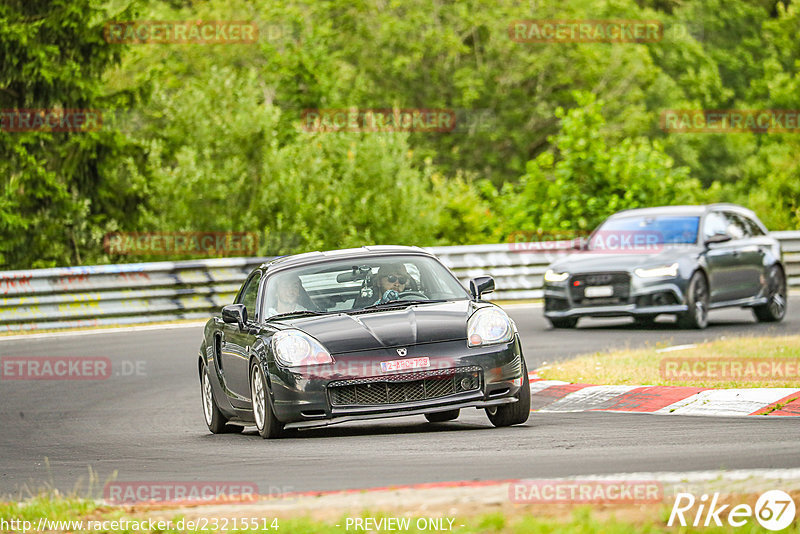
[[683, 260], [327, 337]]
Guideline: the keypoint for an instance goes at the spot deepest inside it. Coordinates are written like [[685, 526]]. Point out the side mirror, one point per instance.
[[717, 238], [235, 314], [480, 285]]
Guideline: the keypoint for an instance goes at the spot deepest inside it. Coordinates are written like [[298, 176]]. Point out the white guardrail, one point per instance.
[[70, 297]]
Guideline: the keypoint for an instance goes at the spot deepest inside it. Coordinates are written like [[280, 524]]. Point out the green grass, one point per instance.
[[643, 366], [53, 508], [581, 519]]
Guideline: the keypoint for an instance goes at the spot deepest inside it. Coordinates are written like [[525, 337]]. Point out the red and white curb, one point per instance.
[[558, 396]]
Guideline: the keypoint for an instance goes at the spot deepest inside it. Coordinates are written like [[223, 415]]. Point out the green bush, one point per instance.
[[583, 179]]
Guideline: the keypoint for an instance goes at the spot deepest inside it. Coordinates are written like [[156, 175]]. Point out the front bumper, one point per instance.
[[305, 399], [634, 297], [410, 410], [628, 310]]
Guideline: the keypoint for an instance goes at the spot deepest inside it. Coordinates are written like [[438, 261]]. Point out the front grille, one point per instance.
[[621, 282], [406, 387]]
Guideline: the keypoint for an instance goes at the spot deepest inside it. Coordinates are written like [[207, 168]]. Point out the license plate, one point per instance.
[[408, 363], [598, 291]]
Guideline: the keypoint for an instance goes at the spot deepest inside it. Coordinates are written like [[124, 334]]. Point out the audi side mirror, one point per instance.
[[717, 238], [235, 314]]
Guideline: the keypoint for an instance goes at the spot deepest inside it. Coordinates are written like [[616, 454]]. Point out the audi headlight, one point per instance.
[[488, 326], [294, 348], [658, 272], [551, 276]]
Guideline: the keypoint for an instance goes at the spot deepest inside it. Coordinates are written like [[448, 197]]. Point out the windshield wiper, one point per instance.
[[298, 313], [395, 302]]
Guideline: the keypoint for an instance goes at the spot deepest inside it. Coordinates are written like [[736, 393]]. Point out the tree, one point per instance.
[[54, 197], [583, 179]]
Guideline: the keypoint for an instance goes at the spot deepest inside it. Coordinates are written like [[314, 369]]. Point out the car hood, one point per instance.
[[419, 323], [588, 261]]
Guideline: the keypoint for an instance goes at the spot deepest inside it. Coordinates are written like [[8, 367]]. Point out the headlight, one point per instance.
[[294, 348], [551, 276], [656, 272], [488, 326]]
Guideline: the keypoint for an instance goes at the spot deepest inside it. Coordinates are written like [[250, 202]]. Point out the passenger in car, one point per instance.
[[289, 297]]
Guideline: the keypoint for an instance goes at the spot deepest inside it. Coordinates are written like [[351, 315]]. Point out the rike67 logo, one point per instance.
[[774, 510]]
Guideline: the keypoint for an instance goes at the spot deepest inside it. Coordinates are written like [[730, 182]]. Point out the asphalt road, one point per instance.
[[543, 344], [145, 423]]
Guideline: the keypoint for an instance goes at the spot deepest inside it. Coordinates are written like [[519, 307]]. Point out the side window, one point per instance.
[[755, 229], [413, 271], [248, 296], [737, 229], [714, 223]]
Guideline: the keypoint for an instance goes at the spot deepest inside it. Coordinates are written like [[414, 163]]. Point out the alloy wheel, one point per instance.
[[208, 400], [700, 307], [258, 392], [777, 299]]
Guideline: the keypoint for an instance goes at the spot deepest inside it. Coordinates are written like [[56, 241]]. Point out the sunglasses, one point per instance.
[[392, 279]]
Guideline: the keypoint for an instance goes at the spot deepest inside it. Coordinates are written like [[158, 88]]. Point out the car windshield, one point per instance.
[[645, 232], [356, 284]]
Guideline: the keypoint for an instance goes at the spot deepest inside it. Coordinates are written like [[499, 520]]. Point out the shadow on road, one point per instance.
[[665, 324]]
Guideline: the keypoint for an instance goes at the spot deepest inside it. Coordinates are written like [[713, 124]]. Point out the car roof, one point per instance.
[[316, 257], [681, 210]]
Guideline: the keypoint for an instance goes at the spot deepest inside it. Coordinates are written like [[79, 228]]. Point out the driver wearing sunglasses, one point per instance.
[[391, 281]]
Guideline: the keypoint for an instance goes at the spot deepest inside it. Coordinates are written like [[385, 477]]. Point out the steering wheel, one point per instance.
[[413, 294]]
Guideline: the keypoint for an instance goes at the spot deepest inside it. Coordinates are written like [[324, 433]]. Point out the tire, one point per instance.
[[441, 417], [215, 420], [267, 424], [697, 296], [563, 322], [518, 412], [775, 308]]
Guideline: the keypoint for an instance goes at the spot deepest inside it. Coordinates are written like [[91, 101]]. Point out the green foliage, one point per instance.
[[582, 519], [54, 197], [309, 191], [584, 179], [555, 135]]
